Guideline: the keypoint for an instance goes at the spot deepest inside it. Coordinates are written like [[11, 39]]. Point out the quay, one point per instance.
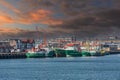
[[22, 55], [12, 55], [59, 47]]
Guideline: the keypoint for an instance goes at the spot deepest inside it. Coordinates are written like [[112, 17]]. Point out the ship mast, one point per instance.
[[44, 39], [37, 32]]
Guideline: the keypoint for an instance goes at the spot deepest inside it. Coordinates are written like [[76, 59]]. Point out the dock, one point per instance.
[[12, 55]]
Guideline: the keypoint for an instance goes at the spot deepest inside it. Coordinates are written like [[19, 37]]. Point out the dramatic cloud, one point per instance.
[[102, 22], [39, 16], [86, 18], [5, 18]]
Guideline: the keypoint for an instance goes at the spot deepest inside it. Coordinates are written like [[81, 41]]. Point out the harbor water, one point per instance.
[[80, 68]]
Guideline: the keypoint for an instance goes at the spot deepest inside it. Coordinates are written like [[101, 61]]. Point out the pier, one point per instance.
[[12, 55]]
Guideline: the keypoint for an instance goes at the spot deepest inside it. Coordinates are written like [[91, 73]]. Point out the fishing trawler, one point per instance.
[[95, 50], [85, 49], [72, 50], [36, 53], [85, 52], [92, 48]]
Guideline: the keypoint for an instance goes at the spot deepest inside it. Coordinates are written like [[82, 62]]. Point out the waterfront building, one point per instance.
[[4, 47], [21, 45]]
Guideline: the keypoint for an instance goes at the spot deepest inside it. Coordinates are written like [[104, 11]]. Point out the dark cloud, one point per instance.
[[100, 23], [72, 7], [90, 18], [111, 17]]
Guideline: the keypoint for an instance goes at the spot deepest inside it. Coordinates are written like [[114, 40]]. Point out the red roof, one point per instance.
[[70, 44]]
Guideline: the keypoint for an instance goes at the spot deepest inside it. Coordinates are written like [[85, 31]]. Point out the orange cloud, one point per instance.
[[5, 18], [40, 16], [9, 30], [33, 17]]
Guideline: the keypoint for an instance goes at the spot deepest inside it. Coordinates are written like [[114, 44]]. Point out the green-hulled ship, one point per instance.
[[41, 53], [93, 53], [85, 52], [35, 54], [72, 51]]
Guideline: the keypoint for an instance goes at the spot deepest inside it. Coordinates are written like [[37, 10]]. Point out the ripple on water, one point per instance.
[[90, 68]]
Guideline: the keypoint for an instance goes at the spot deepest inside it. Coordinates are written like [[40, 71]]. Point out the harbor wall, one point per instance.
[[12, 55]]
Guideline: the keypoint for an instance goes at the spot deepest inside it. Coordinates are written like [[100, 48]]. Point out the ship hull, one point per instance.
[[95, 54], [60, 53], [35, 55], [98, 53], [72, 53], [51, 54], [85, 53]]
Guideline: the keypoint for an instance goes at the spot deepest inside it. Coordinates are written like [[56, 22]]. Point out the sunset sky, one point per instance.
[[90, 18]]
